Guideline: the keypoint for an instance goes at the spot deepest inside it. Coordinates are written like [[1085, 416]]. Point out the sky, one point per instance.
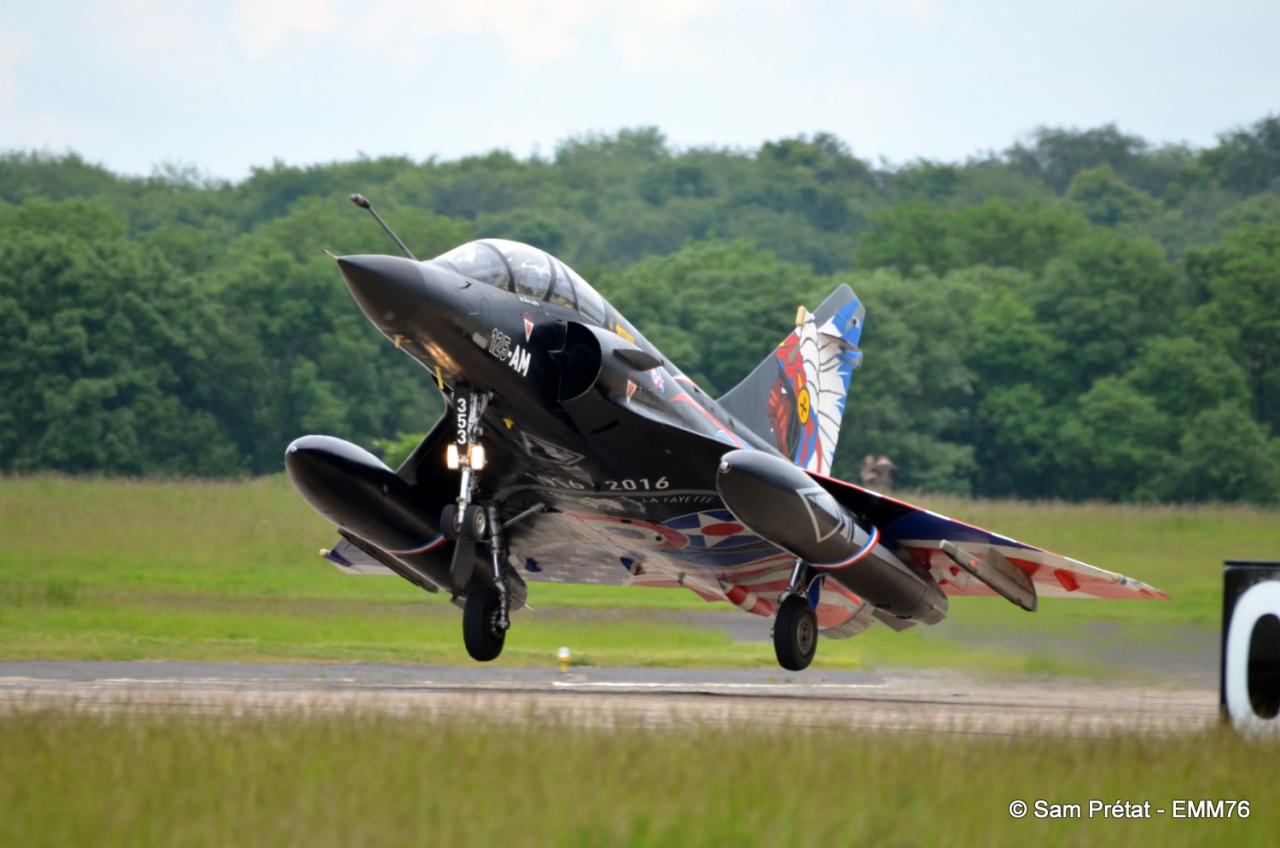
[[226, 86]]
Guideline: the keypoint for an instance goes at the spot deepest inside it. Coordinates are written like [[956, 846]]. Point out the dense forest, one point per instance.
[[1081, 315]]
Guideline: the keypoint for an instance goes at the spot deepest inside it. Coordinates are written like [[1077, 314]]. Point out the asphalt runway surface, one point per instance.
[[611, 697]]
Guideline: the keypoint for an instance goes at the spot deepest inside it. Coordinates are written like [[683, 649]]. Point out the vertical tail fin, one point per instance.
[[795, 398]]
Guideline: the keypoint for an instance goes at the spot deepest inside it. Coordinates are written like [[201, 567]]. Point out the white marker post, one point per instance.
[[1250, 692]]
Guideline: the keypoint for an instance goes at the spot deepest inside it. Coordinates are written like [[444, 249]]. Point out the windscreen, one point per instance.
[[520, 268], [480, 262]]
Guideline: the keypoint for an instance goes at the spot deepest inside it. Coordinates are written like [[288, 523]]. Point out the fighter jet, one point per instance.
[[573, 451]]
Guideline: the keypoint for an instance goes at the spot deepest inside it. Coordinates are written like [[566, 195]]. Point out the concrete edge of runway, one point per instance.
[[896, 701]]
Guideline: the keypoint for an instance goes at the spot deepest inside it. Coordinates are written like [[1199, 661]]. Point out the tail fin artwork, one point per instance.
[[795, 398]]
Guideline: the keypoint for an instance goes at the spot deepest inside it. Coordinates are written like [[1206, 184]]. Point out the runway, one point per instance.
[[610, 697]]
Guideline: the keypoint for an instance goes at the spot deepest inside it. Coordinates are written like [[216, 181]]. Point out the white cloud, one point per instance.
[[648, 34], [921, 11], [259, 25], [14, 46], [658, 35], [143, 37], [529, 32]]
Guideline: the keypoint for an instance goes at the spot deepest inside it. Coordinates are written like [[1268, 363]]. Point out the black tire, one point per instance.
[[449, 522], [475, 519], [481, 630], [478, 517], [795, 634]]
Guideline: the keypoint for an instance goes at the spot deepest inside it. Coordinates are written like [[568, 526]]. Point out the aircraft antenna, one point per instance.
[[363, 202]]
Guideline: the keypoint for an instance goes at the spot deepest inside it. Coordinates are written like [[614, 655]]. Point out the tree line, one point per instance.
[[1081, 315]]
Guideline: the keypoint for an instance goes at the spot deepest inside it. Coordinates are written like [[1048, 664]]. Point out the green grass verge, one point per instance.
[[253, 539], [85, 626], [352, 779], [145, 569]]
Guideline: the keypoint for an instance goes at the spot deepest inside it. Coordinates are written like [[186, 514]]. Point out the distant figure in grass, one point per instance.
[[884, 469], [868, 474]]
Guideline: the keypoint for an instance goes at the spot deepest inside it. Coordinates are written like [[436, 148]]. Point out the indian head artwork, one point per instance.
[[807, 397]]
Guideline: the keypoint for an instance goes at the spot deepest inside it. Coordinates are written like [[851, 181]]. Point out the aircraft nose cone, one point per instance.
[[390, 289]]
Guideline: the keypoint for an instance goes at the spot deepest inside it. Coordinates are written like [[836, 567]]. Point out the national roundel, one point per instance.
[[715, 529]]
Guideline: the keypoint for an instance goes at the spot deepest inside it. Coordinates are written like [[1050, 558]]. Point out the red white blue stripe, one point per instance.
[[872, 541], [421, 549]]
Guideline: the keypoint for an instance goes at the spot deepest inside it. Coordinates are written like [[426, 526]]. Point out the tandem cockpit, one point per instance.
[[519, 268]]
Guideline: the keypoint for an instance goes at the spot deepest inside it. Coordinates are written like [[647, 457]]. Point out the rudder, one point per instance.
[[795, 398]]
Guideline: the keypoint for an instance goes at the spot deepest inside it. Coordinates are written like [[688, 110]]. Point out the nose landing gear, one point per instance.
[[483, 631], [486, 612]]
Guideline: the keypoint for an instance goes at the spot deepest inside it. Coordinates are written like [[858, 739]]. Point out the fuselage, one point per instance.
[[572, 450]]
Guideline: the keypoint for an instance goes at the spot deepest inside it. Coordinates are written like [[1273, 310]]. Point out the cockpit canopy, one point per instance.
[[526, 270]]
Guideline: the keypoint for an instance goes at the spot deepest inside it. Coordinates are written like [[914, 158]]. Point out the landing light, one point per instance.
[[451, 457], [475, 456]]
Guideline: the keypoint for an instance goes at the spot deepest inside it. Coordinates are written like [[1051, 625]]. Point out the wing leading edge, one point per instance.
[[922, 534]]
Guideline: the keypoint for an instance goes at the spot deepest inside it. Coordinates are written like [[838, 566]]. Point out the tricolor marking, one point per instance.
[[872, 541], [421, 549]]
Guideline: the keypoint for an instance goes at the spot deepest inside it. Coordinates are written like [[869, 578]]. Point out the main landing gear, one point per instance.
[[795, 628]]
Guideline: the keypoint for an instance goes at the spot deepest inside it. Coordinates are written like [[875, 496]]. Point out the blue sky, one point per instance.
[[229, 85]]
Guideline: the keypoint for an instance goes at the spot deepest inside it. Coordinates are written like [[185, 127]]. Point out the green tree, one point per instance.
[[914, 235], [105, 348], [1107, 200], [911, 399], [1248, 160], [1241, 277], [1114, 445], [1225, 455], [1009, 347], [1056, 155], [1185, 376], [710, 306], [1014, 434], [1103, 297]]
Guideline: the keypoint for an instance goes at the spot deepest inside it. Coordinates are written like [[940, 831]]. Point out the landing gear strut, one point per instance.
[[795, 628], [466, 453], [485, 615]]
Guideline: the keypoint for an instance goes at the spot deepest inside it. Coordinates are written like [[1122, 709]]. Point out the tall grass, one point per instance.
[[352, 779]]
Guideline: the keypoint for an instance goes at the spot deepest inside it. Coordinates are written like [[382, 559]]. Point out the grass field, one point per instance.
[[116, 569], [348, 779]]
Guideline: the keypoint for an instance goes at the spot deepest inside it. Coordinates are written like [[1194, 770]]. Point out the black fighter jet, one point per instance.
[[574, 451]]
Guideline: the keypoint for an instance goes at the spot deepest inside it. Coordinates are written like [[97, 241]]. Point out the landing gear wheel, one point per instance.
[[474, 518], [449, 524], [479, 521], [795, 633], [482, 624]]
